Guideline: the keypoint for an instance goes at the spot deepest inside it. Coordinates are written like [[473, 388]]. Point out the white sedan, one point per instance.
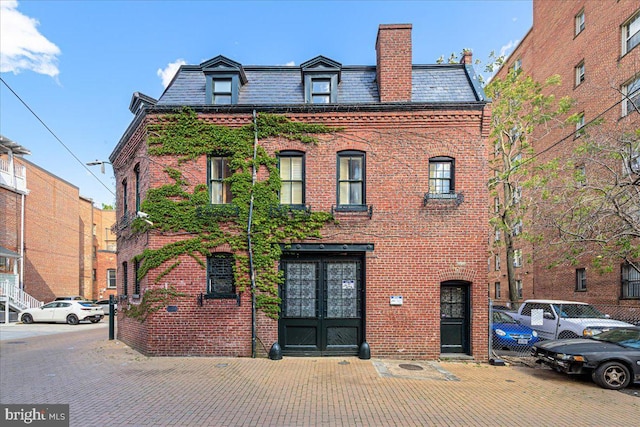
[[71, 312]]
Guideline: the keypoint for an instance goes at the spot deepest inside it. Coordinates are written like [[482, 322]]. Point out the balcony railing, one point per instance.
[[17, 181]]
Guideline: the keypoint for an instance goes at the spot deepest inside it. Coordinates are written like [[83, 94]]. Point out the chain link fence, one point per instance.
[[510, 339]]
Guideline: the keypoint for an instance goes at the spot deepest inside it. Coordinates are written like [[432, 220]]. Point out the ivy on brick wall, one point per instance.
[[183, 208]]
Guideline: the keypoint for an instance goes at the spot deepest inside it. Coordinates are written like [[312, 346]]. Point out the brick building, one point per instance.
[[402, 270], [45, 222], [593, 46]]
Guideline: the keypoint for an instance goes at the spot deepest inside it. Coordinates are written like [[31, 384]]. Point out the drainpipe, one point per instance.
[[251, 270]]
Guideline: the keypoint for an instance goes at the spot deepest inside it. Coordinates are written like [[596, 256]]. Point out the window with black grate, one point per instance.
[[220, 279]]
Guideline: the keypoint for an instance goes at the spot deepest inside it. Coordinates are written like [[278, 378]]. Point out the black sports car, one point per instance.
[[612, 357]]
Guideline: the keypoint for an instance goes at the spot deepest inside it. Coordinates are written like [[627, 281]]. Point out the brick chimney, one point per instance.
[[393, 49], [467, 57]]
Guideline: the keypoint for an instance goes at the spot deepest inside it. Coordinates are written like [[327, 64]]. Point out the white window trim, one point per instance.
[[579, 22], [624, 31]]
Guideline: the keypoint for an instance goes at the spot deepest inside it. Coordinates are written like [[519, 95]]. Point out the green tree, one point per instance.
[[521, 107]]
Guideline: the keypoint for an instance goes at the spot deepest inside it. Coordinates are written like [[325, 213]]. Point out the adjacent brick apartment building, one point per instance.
[[62, 240], [594, 47], [399, 269]]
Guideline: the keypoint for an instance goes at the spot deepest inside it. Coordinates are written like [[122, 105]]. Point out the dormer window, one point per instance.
[[321, 77], [224, 78], [221, 91], [320, 91]]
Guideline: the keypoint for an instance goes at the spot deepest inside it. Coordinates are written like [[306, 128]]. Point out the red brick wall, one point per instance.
[[416, 247], [10, 208], [551, 47], [52, 230]]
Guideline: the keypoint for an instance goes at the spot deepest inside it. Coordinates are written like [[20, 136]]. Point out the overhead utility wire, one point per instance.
[[56, 137]]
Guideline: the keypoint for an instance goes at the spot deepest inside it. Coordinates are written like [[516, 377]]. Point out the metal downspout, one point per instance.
[[251, 271]]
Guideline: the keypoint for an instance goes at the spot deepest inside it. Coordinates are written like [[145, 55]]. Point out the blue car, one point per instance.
[[508, 334]]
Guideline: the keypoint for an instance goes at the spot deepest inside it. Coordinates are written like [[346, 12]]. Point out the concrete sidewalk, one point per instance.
[[107, 383]]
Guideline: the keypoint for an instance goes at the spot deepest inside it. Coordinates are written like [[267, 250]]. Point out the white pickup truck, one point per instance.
[[555, 319]]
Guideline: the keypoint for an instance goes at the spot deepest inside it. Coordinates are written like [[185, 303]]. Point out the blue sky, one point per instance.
[[77, 63]]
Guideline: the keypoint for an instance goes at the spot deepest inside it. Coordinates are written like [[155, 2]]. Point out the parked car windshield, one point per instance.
[[499, 317], [629, 338], [580, 311]]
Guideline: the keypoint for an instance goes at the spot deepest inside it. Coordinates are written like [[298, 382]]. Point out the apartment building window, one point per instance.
[[320, 91], [579, 71], [631, 33], [220, 277], [125, 278], [219, 187], [631, 96], [630, 282], [497, 290], [579, 20], [321, 77], [111, 278], [517, 65], [517, 195], [136, 281], [580, 125], [136, 171], [517, 228], [291, 164], [221, 91], [497, 262], [125, 196], [497, 235], [519, 288], [496, 205], [517, 258], [581, 176], [581, 279], [441, 175], [351, 179]]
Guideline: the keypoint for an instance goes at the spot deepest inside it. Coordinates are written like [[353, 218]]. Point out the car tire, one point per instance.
[[612, 375], [27, 318], [564, 335], [94, 320], [72, 319]]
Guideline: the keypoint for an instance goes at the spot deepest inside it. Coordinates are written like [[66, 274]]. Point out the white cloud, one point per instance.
[[506, 49], [169, 71], [291, 63], [21, 44]]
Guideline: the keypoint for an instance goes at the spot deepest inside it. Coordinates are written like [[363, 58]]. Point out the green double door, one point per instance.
[[322, 306]]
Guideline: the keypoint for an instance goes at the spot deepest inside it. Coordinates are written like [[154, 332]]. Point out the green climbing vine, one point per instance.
[[205, 226], [153, 300]]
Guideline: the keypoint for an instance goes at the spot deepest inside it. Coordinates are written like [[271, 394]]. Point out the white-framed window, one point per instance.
[[581, 279], [579, 71], [111, 278], [517, 65], [517, 228], [517, 258], [497, 235], [496, 205], [497, 262], [631, 96], [579, 21], [631, 33]]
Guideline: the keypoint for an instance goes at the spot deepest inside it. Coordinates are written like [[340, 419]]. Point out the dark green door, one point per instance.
[[321, 306], [454, 318]]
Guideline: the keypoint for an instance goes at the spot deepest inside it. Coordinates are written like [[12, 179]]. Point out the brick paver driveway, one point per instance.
[[108, 384]]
